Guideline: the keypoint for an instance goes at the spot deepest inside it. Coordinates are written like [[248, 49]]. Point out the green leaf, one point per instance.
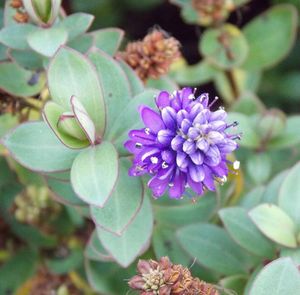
[[7, 121], [114, 84], [235, 283], [75, 24], [82, 43], [65, 79], [281, 276], [130, 119], [134, 240], [271, 192], [52, 113], [274, 224], [212, 247], [164, 243], [123, 205], [289, 194], [94, 173], [84, 120], [15, 36], [17, 270], [226, 47], [245, 233], [47, 41], [250, 138], [94, 249], [66, 264], [202, 210], [42, 9], [15, 80], [35, 146], [252, 198], [259, 167], [135, 83], [266, 48], [290, 135], [163, 83], [294, 254], [108, 278], [63, 192], [27, 59], [194, 75], [248, 104], [108, 40]]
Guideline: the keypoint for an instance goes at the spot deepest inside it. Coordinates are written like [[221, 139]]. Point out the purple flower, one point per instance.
[[184, 145]]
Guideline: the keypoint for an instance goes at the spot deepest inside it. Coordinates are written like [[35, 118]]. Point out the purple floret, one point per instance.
[[184, 145]]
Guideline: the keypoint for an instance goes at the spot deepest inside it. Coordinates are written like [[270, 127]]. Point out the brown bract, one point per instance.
[[212, 11], [165, 278], [151, 57]]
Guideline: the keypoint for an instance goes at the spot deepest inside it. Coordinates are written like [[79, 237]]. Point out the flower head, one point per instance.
[[165, 278], [151, 57], [184, 145]]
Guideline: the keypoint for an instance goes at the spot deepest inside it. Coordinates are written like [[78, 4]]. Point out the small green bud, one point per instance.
[[68, 124], [43, 12]]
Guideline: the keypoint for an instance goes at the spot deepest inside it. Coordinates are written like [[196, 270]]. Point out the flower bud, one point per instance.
[[271, 124], [68, 124], [43, 12]]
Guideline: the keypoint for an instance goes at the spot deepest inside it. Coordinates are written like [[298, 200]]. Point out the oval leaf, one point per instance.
[[114, 84], [289, 194], [124, 203], [134, 240], [17, 81], [76, 24], [265, 47], [245, 233], [35, 146], [279, 277], [47, 41], [275, 224], [94, 173], [66, 78], [108, 39], [212, 247]]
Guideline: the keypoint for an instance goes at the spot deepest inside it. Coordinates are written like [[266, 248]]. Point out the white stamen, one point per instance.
[[224, 179], [191, 96], [138, 145], [221, 108], [171, 184], [236, 165], [147, 131], [164, 165], [154, 160]]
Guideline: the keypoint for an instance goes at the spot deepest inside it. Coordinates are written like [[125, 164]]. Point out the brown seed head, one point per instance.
[[151, 57], [165, 278], [16, 4], [212, 11]]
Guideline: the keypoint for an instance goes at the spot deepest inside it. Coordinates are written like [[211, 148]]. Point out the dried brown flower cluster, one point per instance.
[[21, 16], [9, 104], [212, 11], [47, 284], [151, 57], [165, 278]]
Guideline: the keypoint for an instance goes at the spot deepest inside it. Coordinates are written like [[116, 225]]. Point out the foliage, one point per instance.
[[71, 215]]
